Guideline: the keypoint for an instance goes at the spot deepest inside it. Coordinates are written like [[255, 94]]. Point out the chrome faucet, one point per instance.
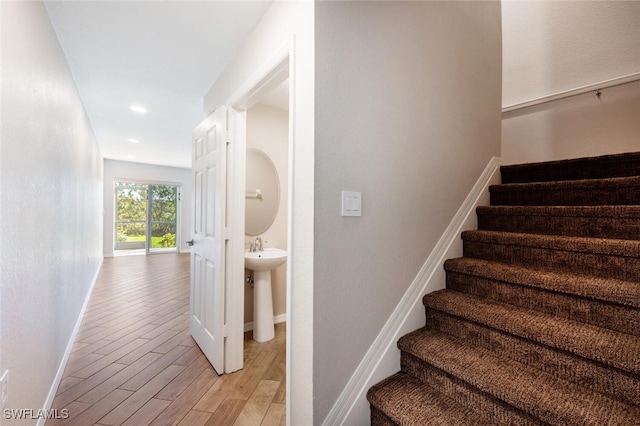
[[259, 246]]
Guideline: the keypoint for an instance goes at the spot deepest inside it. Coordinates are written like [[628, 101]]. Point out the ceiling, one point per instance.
[[162, 55]]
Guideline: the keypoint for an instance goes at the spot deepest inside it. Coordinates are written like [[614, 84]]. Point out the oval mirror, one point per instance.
[[263, 192]]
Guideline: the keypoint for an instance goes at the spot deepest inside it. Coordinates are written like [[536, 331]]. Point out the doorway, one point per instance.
[[146, 218]]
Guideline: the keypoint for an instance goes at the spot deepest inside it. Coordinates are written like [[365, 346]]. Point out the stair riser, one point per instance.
[[503, 196], [496, 410], [593, 227], [599, 265], [379, 419], [602, 314], [583, 168], [558, 363]]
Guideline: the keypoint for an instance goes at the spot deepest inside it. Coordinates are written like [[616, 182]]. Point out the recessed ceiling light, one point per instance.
[[138, 108], [133, 140]]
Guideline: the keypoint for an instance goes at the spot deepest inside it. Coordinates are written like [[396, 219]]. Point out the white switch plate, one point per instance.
[[351, 203], [4, 389]]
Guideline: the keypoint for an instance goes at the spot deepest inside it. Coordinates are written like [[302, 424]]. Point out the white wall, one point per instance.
[[550, 47], [51, 204], [407, 112], [268, 131], [146, 173], [287, 23]]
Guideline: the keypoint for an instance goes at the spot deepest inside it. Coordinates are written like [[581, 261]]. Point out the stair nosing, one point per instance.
[[572, 184], [612, 211], [592, 287], [605, 246], [531, 320]]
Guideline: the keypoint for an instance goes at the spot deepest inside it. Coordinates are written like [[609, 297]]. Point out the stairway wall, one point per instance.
[[580, 126], [551, 47], [401, 117]]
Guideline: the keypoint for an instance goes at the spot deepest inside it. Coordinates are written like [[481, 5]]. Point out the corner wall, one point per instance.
[[146, 173], [407, 112], [50, 207]]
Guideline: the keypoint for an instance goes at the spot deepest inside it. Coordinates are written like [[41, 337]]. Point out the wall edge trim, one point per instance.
[[359, 382]]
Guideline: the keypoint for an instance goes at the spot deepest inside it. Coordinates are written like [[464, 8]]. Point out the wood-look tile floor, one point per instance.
[[134, 362]]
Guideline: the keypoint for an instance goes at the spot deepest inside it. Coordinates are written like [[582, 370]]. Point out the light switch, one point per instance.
[[351, 203]]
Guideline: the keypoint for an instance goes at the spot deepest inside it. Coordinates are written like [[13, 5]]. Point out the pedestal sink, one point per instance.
[[262, 263]]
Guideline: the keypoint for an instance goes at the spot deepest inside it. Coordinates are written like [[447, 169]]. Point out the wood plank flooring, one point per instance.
[[134, 362]]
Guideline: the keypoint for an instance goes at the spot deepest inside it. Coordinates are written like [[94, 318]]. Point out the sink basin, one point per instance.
[[265, 260]]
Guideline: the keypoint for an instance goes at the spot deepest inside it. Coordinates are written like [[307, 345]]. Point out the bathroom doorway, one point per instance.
[[267, 198], [271, 81]]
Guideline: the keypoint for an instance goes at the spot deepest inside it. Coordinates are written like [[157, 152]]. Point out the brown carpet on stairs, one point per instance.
[[539, 323]]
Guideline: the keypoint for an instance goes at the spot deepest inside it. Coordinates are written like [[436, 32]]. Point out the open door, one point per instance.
[[210, 238]]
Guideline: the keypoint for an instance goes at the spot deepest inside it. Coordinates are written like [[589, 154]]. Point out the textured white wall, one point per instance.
[[557, 46], [283, 23], [408, 112], [268, 131], [51, 205], [147, 173], [553, 46]]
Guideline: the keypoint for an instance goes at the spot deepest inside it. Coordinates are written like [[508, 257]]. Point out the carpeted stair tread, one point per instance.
[[407, 401], [611, 258], [610, 347], [542, 291], [605, 289], [608, 380], [586, 192], [618, 222], [551, 400], [604, 166]]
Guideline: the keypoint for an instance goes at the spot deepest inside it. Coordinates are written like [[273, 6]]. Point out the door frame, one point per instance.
[[271, 74]]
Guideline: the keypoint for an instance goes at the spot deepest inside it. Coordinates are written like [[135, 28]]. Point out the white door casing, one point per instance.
[[210, 236]]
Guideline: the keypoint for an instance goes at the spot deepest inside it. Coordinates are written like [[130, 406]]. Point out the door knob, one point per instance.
[[190, 243]]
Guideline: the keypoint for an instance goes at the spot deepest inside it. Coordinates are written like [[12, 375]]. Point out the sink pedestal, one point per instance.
[[263, 329], [262, 263]]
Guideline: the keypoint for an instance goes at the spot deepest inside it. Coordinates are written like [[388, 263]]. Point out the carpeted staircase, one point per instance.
[[540, 320]]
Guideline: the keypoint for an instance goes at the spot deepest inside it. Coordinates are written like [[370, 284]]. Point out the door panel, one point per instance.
[[208, 253]]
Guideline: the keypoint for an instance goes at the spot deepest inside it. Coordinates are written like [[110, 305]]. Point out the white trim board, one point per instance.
[[383, 358], [65, 357], [594, 87], [277, 319]]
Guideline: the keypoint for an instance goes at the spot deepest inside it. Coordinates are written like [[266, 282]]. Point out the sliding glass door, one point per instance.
[[146, 217], [163, 216]]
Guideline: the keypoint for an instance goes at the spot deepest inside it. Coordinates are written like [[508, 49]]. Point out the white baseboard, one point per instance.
[[65, 358], [248, 326], [383, 357]]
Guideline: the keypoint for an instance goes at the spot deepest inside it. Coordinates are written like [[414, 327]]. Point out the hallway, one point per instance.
[[134, 362]]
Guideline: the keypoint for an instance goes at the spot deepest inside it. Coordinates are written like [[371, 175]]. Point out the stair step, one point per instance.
[[606, 166], [403, 400], [490, 378], [559, 363], [588, 192], [621, 222], [601, 257], [551, 293], [619, 350]]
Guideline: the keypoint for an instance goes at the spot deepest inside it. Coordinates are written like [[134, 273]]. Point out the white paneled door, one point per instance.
[[210, 237]]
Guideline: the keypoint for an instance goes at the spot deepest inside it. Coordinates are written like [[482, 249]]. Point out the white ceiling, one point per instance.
[[163, 55]]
